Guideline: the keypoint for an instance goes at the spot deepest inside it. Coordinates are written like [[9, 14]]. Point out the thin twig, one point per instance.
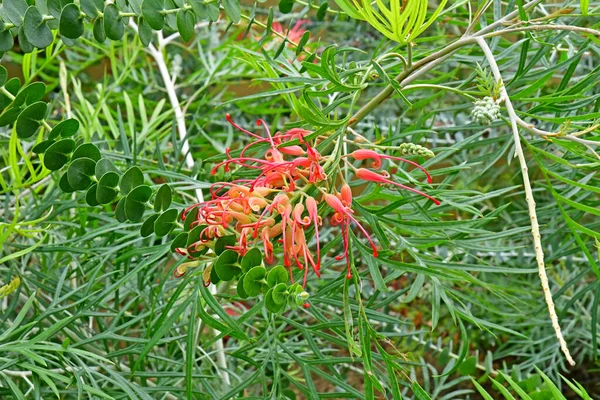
[[535, 229]]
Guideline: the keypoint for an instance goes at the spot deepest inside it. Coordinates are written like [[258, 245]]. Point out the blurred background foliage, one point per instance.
[[454, 311]]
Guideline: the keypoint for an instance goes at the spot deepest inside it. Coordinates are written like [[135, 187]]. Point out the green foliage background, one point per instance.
[[452, 309]]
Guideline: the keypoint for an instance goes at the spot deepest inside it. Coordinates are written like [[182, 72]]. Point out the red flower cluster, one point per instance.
[[275, 207]]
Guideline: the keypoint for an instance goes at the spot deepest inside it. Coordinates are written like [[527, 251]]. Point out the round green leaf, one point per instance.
[[163, 198], [190, 217], [41, 147], [30, 94], [179, 242], [253, 280], [70, 23], [120, 210], [222, 243], [9, 116], [271, 304], [185, 24], [107, 184], [98, 30], [240, 288], [252, 258], [147, 228], [144, 32], [15, 10], [56, 6], [280, 293], [6, 39], [277, 275], [214, 278], [226, 265], [285, 6], [90, 196], [80, 172], [232, 9], [152, 11], [131, 179], [3, 75], [135, 203], [25, 44], [36, 30], [166, 222], [192, 239], [103, 166], [64, 185], [66, 128], [92, 8], [113, 24], [88, 150], [58, 154], [29, 120]]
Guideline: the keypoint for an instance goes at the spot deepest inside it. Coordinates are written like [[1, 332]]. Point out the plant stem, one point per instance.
[[535, 229]]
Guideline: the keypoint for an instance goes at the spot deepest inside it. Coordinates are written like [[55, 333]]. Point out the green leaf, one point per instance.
[[271, 304], [584, 5], [56, 6], [80, 172], [135, 203], [468, 366], [64, 185], [120, 214], [223, 242], [302, 42], [226, 265], [66, 128], [192, 239], [322, 11], [252, 258], [70, 24], [91, 8], [152, 11], [98, 30], [285, 6], [144, 32], [103, 166], [232, 9], [279, 293], [179, 242], [30, 94], [253, 280], [240, 288], [41, 147], [9, 116], [36, 30], [6, 39], [29, 120], [106, 191], [3, 75], [113, 23], [88, 150], [131, 179], [163, 198], [58, 154], [277, 275], [147, 228], [15, 10], [25, 44], [190, 217], [90, 196], [165, 222], [185, 24]]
